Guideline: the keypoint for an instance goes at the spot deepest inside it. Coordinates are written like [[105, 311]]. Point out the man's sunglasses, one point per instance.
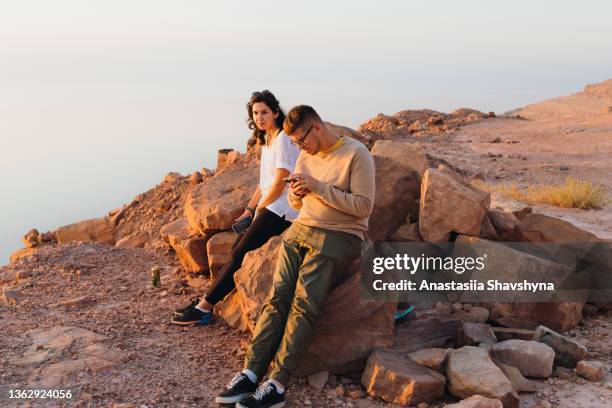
[[300, 143]]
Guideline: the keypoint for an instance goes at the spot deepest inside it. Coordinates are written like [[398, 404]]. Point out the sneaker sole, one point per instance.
[[279, 405], [194, 323], [231, 400]]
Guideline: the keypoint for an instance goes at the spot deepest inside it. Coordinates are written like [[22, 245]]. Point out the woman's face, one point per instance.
[[263, 116]]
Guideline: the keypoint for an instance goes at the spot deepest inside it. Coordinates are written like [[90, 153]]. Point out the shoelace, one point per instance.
[[237, 378], [262, 391]]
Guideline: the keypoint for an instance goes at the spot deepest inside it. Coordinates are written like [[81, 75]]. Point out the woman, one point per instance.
[[269, 207]]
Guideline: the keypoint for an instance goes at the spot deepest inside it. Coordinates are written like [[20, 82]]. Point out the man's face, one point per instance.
[[306, 138]]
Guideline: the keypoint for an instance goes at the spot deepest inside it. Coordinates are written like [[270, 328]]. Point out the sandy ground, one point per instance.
[[170, 366]]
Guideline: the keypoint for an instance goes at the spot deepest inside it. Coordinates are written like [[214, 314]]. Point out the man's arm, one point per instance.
[[360, 200]]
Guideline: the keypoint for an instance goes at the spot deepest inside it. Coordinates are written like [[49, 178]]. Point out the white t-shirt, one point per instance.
[[281, 155]]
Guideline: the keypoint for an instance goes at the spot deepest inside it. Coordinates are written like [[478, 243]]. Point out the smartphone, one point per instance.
[[242, 225], [289, 179]]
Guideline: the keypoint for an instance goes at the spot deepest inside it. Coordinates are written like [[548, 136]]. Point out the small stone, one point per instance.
[[318, 380], [591, 370], [563, 373], [568, 352], [563, 168], [434, 358], [477, 401]]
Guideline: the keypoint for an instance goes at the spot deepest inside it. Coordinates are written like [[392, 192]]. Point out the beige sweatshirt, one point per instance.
[[343, 198]]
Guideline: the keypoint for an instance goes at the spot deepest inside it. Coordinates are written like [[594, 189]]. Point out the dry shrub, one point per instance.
[[573, 193]]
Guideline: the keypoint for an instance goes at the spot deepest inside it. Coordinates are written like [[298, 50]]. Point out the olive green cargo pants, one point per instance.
[[309, 264]]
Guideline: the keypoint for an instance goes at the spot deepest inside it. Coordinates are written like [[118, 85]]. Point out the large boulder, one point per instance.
[[189, 247], [347, 331], [400, 380], [470, 371], [399, 169], [450, 205], [219, 248], [213, 205], [97, 230], [532, 358]]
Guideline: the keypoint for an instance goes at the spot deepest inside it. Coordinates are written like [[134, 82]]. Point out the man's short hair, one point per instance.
[[298, 116]]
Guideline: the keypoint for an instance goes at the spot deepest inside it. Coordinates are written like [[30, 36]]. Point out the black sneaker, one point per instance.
[[193, 316], [182, 309], [240, 387], [266, 396]]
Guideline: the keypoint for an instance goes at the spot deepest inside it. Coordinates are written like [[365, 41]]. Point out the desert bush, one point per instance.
[[573, 193]]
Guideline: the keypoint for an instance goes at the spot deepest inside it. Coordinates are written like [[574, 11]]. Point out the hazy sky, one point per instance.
[[98, 100]]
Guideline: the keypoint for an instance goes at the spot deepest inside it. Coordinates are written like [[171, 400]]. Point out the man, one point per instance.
[[333, 187]]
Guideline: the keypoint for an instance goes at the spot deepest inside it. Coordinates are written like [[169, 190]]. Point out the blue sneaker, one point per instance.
[[193, 316]]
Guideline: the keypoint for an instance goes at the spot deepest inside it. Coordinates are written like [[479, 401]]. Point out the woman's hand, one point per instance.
[[245, 214]]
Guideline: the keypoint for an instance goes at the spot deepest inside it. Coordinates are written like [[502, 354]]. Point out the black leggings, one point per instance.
[[265, 226]]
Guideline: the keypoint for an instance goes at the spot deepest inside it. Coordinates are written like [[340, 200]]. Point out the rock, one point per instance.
[[532, 358], [218, 250], [399, 169], [519, 383], [133, 241], [470, 372], [506, 333], [401, 381], [607, 109], [561, 316], [21, 253], [407, 233], [229, 309], [11, 296], [226, 157], [496, 140], [472, 334], [318, 380], [348, 132], [61, 352], [196, 178], [96, 230], [190, 248], [172, 177], [8, 276], [542, 228], [504, 224], [439, 215], [487, 230], [562, 372], [252, 284], [213, 206], [522, 213], [477, 401], [48, 237], [590, 311], [591, 370], [31, 239], [433, 330], [568, 352], [78, 302], [434, 358], [476, 314]]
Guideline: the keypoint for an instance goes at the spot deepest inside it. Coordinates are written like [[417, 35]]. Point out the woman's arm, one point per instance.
[[278, 185], [252, 204]]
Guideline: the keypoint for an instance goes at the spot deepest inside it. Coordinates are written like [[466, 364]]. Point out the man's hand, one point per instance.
[[303, 185]]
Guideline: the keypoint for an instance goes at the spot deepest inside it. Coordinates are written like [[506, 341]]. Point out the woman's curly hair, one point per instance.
[[267, 97]]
